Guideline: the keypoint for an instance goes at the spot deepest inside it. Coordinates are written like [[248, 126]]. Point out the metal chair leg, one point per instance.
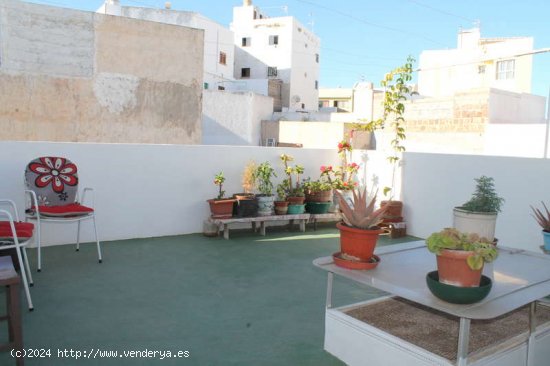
[[26, 257], [39, 242], [24, 276], [97, 241], [78, 236]]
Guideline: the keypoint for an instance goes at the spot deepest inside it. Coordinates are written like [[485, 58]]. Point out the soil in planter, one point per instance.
[[437, 332]]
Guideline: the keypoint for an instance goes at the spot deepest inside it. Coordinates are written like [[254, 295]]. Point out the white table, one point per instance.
[[519, 278]]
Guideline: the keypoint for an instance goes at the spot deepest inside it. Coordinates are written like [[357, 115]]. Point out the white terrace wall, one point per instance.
[[157, 190], [435, 183]]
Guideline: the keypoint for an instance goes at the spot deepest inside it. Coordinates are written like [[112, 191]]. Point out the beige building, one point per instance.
[[68, 75], [500, 63]]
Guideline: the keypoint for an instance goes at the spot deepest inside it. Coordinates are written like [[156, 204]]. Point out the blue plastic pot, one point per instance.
[[546, 236], [296, 209]]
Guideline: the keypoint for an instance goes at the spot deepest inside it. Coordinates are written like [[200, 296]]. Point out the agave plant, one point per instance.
[[542, 218], [361, 214]]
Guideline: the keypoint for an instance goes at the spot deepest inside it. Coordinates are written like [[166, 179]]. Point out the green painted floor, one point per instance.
[[250, 300]]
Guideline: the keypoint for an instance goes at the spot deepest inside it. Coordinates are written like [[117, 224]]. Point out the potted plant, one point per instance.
[[319, 190], [247, 204], [263, 174], [479, 214], [543, 220], [281, 205], [221, 207], [318, 195], [460, 256], [294, 190], [359, 229]]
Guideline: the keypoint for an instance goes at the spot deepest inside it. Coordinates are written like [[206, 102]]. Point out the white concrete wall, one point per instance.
[[157, 190], [146, 190], [233, 118], [444, 72], [519, 108], [435, 183]]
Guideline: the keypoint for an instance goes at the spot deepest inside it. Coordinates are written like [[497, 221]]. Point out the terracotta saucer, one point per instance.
[[346, 263]]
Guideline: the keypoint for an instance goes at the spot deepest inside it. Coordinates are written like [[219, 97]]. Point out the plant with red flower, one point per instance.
[[54, 171]]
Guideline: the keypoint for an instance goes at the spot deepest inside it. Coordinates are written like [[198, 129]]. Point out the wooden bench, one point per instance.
[[224, 223], [10, 279]]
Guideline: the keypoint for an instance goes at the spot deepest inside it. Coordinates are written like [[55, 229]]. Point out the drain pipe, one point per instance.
[[546, 135]]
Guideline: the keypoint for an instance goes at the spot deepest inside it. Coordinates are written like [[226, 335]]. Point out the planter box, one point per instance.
[[357, 342]]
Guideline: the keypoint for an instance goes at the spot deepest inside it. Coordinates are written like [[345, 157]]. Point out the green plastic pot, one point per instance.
[[456, 294], [295, 209], [318, 207]]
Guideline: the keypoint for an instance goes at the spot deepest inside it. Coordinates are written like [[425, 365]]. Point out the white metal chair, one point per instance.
[[52, 184], [15, 234]]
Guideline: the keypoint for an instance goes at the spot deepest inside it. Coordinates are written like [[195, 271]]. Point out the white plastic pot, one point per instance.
[[481, 223]]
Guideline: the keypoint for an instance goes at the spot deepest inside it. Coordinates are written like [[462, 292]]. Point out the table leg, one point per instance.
[[463, 342], [532, 328], [226, 231], [314, 224], [254, 229], [262, 228], [303, 225], [329, 290]]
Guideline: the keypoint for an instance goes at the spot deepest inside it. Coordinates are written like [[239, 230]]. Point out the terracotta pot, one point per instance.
[[323, 196], [221, 209], [454, 270], [358, 242], [298, 200], [281, 207], [394, 212]]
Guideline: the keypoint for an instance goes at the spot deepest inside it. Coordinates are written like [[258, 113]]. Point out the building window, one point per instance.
[[273, 40], [316, 84], [317, 57], [223, 58], [246, 41], [205, 85], [272, 71], [221, 87], [303, 106], [481, 69], [245, 72], [505, 69]]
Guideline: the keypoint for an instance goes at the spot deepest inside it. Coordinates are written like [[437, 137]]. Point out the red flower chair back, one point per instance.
[[53, 179]]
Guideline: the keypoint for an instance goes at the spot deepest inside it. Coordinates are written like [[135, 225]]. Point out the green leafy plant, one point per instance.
[[315, 186], [292, 189], [396, 90], [361, 214], [262, 175], [281, 191], [543, 218], [452, 239], [219, 179], [485, 198]]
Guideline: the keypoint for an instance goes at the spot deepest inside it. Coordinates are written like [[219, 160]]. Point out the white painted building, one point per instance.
[[277, 48], [500, 63], [219, 50]]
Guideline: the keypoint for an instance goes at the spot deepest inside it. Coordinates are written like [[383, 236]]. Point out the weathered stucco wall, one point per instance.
[[67, 75]]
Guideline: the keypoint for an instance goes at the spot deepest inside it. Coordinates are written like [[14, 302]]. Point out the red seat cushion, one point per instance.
[[72, 209], [23, 230]]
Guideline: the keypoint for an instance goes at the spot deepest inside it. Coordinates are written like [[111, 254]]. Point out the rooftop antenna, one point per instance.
[[311, 21]]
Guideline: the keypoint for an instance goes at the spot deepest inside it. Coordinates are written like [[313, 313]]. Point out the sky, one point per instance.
[[364, 39]]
